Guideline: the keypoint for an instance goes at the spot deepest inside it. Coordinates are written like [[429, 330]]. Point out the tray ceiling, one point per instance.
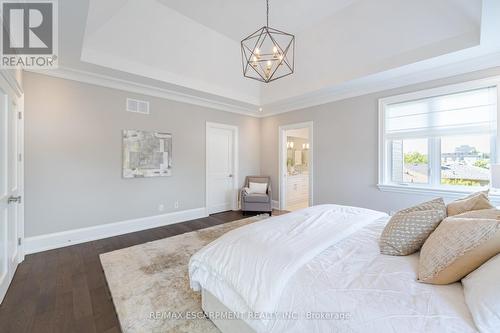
[[193, 46]]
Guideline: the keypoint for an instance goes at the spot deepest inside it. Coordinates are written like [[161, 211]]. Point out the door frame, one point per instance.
[[14, 101], [235, 130], [282, 160], [10, 85]]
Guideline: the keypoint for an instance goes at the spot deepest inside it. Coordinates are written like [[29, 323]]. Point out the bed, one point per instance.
[[320, 270]]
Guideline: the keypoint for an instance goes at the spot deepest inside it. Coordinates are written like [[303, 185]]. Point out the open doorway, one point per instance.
[[296, 161]]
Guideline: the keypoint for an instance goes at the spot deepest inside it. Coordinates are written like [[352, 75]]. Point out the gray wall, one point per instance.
[[346, 148], [73, 155]]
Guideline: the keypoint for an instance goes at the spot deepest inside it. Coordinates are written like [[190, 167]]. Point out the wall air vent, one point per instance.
[[137, 106]]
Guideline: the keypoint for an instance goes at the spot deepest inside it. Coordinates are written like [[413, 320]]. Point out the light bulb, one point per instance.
[[269, 64], [257, 52], [275, 52], [280, 63]]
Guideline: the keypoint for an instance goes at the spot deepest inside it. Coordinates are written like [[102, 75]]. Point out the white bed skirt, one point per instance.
[[215, 310]]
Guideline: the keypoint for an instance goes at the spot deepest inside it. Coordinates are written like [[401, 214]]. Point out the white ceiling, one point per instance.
[[191, 47], [370, 37], [239, 18]]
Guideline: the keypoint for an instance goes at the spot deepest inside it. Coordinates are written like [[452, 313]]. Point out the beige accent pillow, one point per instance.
[[475, 201], [257, 188], [482, 295], [459, 245], [407, 230]]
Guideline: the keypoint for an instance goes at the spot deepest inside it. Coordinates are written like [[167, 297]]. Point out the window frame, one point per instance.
[[434, 186]]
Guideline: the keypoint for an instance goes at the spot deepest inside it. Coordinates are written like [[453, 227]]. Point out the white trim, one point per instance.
[[236, 158], [20, 232], [15, 93], [148, 90], [438, 192], [384, 183], [275, 204], [383, 81], [391, 79], [14, 86], [248, 94], [282, 161], [77, 236], [442, 90], [14, 103]]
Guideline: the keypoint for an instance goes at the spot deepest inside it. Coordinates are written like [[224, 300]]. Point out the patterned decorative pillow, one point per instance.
[[407, 230], [475, 201], [459, 245]]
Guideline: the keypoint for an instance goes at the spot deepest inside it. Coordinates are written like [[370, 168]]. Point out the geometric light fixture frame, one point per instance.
[[268, 54]]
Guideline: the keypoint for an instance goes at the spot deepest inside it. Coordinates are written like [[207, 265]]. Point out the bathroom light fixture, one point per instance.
[[268, 53]]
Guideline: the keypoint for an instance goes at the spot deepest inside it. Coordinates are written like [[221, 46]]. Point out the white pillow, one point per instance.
[[257, 188], [482, 295]]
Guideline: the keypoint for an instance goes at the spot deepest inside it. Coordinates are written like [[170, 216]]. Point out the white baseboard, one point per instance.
[[219, 208], [77, 236], [275, 204]]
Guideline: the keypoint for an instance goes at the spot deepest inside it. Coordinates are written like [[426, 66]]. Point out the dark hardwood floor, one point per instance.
[[64, 290]]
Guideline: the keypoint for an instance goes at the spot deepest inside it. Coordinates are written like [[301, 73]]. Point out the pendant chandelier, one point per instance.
[[268, 53]]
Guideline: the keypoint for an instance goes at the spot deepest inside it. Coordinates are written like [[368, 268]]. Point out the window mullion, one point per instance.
[[432, 145], [493, 148], [435, 161]]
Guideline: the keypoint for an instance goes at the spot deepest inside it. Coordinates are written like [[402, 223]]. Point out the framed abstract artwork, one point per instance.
[[146, 154]]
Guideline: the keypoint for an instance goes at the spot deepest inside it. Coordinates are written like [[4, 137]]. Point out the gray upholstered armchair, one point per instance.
[[256, 202]]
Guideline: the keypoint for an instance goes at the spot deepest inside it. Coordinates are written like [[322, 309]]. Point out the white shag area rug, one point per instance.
[[149, 283]]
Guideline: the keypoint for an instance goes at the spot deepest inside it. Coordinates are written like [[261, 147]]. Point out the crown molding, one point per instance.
[[367, 85], [11, 80], [380, 82], [144, 89], [111, 61]]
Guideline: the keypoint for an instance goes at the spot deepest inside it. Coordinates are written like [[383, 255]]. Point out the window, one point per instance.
[[441, 139], [465, 160], [410, 161]]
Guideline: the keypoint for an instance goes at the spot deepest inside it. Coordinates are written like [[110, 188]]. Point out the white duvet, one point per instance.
[[323, 266]]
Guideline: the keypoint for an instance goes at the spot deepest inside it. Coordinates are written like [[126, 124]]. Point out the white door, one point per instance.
[[10, 175], [220, 168]]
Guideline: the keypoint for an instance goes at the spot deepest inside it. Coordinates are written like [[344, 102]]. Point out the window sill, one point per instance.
[[438, 192]]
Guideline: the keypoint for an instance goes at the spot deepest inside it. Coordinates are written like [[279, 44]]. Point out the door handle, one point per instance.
[[12, 199], [230, 176]]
